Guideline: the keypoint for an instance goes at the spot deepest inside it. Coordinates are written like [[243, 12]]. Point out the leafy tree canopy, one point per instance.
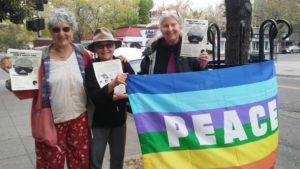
[[92, 14], [15, 10], [14, 36], [277, 9], [144, 8]]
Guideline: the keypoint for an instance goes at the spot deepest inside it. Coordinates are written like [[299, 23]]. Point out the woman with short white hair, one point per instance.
[[163, 55]]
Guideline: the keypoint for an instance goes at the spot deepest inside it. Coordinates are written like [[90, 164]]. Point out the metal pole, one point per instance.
[[262, 35], [242, 38], [211, 39], [213, 25], [39, 33]]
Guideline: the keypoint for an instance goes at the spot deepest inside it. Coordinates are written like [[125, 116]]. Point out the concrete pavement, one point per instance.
[[16, 142], [288, 65], [17, 145]]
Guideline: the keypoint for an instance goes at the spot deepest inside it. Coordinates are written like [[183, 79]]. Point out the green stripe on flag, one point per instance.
[[154, 142]]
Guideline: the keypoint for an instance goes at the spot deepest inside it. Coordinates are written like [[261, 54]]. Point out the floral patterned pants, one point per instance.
[[73, 142]]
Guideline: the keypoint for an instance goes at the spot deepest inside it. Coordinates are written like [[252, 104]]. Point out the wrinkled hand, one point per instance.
[[203, 60], [123, 59], [120, 79], [5, 64]]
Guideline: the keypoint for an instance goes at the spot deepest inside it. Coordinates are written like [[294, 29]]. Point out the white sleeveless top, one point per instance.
[[67, 97]]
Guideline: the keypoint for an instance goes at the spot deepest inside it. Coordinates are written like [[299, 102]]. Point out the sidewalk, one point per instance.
[[16, 142], [288, 67]]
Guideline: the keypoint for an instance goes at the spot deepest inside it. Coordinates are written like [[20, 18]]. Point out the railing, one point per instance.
[[213, 35]]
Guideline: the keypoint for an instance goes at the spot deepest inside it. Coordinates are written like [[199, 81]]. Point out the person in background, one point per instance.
[[5, 63], [109, 122], [163, 55], [61, 76]]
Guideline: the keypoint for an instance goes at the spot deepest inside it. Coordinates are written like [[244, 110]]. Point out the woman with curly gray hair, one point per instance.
[[61, 92], [64, 64]]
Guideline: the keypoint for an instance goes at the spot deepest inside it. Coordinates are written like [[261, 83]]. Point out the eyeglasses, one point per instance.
[[101, 46], [64, 29]]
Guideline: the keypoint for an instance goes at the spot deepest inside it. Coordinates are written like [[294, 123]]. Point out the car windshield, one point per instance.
[[133, 55]]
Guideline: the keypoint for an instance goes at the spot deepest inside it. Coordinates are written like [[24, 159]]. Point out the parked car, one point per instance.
[[86, 43], [133, 55], [291, 49]]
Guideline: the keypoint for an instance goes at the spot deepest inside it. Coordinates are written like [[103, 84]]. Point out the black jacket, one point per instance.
[[108, 113], [156, 59]]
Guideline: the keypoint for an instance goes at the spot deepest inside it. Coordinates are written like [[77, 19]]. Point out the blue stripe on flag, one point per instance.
[[202, 80], [203, 99]]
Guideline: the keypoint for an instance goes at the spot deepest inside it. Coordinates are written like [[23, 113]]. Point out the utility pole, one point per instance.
[[37, 23], [39, 32]]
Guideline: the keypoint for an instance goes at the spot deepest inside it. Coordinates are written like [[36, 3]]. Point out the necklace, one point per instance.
[[60, 53]]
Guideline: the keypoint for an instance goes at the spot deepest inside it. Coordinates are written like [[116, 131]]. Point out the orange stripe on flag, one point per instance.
[[266, 163]]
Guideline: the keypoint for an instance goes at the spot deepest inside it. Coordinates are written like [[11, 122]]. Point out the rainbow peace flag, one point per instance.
[[220, 119]]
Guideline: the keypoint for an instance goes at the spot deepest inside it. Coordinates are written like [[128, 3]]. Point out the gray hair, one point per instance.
[[59, 15], [170, 14]]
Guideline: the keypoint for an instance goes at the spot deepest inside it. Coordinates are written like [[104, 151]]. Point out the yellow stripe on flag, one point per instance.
[[265, 163], [213, 158]]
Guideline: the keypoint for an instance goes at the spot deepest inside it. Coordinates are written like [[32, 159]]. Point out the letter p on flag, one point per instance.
[[176, 129]]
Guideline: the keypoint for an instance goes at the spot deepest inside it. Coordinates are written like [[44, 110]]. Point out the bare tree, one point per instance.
[[183, 7], [216, 15]]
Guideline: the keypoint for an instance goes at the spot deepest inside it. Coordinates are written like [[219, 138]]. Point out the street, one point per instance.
[[289, 110], [289, 94]]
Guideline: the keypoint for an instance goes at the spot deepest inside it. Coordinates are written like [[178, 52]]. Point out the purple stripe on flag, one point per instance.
[[154, 121]]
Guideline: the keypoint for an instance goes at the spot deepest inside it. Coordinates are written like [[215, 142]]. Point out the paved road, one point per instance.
[[289, 93]]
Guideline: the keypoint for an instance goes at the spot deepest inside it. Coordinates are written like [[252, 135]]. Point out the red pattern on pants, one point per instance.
[[73, 140]]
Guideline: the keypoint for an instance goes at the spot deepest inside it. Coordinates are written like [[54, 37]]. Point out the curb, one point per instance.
[[128, 157], [286, 75]]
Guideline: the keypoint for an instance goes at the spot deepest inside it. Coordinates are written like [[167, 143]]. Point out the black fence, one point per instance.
[[214, 36]]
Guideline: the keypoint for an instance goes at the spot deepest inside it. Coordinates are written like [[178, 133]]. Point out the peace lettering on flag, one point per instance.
[[225, 118]]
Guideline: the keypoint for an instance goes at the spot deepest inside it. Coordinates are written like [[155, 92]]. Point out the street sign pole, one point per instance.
[[39, 32]]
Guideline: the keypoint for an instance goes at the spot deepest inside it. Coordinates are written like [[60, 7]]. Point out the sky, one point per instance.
[[195, 4]]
